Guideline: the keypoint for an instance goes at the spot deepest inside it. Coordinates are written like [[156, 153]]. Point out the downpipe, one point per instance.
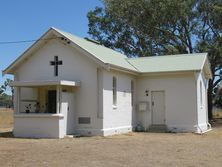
[[209, 128]]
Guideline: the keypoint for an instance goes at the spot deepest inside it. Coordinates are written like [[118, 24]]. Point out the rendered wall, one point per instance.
[[117, 119], [180, 100], [76, 67], [40, 126]]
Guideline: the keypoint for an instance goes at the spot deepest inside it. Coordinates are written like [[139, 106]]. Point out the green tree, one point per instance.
[[217, 94], [1, 90], [140, 28], [6, 86], [6, 99]]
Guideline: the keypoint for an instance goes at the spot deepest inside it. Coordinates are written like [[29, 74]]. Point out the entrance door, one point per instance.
[[68, 112], [52, 101], [158, 107]]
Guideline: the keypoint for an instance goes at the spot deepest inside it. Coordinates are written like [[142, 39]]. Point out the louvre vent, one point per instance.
[[84, 120]]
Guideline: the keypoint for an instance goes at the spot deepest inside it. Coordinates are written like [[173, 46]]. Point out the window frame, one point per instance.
[[132, 92], [201, 94], [114, 86]]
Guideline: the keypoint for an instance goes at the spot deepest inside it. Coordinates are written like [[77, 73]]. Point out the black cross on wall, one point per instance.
[[56, 63]]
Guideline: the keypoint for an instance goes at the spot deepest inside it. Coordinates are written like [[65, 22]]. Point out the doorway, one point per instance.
[[52, 101], [68, 103], [158, 107]]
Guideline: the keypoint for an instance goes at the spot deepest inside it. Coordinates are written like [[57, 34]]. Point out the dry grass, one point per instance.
[[130, 150], [217, 113], [6, 119]]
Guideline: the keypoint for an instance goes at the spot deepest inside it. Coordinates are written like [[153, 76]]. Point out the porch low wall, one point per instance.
[[38, 125]]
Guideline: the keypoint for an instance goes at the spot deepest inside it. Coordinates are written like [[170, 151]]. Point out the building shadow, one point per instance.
[[7, 134], [216, 122]]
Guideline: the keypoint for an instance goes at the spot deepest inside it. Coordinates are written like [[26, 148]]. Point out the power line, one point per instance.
[[26, 41]]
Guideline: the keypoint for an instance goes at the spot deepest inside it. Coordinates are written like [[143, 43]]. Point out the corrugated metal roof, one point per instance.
[[169, 63], [106, 55]]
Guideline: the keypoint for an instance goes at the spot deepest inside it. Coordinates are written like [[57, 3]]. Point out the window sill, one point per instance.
[[35, 115], [114, 107]]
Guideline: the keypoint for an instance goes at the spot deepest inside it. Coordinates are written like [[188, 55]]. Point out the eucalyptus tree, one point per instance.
[[141, 28]]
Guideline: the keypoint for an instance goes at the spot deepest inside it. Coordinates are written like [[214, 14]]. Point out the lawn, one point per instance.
[[129, 150]]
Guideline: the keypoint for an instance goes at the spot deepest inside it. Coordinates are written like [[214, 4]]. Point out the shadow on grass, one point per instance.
[[216, 122]]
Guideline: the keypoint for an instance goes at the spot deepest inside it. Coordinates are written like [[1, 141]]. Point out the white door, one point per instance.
[[158, 107], [68, 112]]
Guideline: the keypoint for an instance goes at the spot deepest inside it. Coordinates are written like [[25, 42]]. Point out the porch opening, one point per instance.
[[41, 96]]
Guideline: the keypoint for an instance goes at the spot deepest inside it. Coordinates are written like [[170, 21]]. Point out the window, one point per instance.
[[114, 92], [100, 93], [201, 98], [132, 92]]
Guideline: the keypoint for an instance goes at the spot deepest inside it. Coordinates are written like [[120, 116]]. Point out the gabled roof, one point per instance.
[[155, 64]]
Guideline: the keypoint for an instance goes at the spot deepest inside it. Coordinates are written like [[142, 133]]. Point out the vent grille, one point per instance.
[[84, 120]]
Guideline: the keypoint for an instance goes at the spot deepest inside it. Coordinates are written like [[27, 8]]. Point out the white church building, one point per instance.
[[67, 85]]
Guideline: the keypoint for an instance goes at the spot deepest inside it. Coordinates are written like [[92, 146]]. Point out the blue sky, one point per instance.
[[29, 19]]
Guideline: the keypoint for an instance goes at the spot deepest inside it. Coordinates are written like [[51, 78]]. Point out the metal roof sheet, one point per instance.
[[106, 55], [169, 63]]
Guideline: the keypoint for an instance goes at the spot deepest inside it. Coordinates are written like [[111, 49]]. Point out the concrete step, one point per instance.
[[73, 136], [157, 128]]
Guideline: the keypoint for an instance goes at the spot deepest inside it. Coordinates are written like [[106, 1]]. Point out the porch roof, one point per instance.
[[44, 83]]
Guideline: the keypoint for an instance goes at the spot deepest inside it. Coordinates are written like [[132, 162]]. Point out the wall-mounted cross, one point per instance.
[[56, 63]]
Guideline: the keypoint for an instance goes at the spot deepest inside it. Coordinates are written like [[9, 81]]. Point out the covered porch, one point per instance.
[[44, 108]]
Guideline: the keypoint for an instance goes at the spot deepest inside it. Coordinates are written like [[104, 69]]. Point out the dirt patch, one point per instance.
[[130, 150]]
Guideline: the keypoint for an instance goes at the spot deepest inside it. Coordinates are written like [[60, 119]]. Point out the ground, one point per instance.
[[130, 150], [6, 120]]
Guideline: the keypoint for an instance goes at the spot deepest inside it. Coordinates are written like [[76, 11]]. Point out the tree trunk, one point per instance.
[[210, 100]]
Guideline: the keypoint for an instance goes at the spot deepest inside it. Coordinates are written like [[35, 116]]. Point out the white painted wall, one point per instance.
[[180, 100], [202, 109], [117, 119], [76, 66], [38, 126]]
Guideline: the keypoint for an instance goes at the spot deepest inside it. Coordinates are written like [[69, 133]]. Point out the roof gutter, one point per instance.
[[167, 72]]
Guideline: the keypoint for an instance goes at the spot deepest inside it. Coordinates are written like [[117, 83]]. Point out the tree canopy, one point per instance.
[[5, 99], [140, 28]]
